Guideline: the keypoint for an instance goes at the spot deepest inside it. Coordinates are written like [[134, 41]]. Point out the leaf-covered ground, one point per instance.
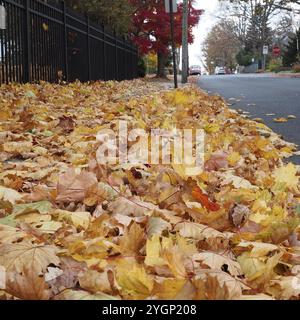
[[73, 229]]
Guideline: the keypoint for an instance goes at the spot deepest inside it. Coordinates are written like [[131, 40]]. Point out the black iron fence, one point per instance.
[[45, 40]]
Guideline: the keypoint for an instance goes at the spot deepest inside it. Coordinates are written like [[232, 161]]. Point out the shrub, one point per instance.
[[275, 65], [244, 58], [296, 68], [141, 68]]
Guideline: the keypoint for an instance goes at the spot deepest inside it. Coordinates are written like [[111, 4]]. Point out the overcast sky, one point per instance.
[[206, 22]]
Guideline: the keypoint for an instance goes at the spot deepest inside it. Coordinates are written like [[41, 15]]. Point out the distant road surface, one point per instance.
[[261, 95]]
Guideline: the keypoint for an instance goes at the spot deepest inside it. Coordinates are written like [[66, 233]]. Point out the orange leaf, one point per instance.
[[204, 200]]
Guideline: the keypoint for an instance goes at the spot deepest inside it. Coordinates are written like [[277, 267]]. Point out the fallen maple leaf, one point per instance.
[[28, 285], [216, 261], [204, 200], [16, 257], [287, 175], [132, 240], [72, 186], [94, 281], [134, 280]]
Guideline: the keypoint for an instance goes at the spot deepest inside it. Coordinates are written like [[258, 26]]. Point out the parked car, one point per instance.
[[220, 70], [195, 71]]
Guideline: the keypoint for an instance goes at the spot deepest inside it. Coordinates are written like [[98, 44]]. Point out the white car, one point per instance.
[[220, 71], [195, 71]]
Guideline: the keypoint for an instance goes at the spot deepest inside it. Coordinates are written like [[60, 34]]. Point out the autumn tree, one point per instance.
[[221, 46], [291, 53], [256, 20], [287, 5], [151, 29], [116, 14]]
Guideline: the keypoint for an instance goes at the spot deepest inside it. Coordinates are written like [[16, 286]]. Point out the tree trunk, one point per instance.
[[161, 64]]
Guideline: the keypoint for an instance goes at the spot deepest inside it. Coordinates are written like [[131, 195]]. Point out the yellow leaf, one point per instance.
[[233, 158], [280, 120], [169, 288], [133, 239], [78, 219], [211, 128], [5, 115], [134, 281], [45, 26], [259, 262], [154, 247], [174, 258], [180, 98], [287, 175]]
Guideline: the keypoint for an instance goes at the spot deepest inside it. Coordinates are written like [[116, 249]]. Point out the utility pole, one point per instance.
[[171, 2], [295, 25], [185, 45]]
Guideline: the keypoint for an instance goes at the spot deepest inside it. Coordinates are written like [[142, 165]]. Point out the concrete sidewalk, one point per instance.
[[168, 83]]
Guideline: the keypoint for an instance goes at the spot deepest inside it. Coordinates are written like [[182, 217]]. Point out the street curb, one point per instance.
[[295, 75]]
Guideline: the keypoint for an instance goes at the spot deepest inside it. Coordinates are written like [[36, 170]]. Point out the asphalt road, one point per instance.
[[261, 95]]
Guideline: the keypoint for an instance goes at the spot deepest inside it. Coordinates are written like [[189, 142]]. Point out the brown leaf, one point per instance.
[[72, 187], [211, 289], [70, 276], [239, 214], [133, 239], [27, 285], [94, 281], [217, 161], [67, 124]]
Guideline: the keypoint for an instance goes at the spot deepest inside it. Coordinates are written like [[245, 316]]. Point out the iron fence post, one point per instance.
[[104, 53], [65, 37], [27, 51], [88, 47], [117, 76]]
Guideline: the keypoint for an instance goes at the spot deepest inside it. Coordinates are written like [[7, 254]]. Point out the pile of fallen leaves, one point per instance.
[[71, 228]]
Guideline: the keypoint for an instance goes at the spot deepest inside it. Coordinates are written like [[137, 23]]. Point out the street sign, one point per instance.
[[265, 50], [2, 18], [167, 5]]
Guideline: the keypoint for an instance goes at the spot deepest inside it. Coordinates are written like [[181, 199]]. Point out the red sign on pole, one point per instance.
[[276, 51]]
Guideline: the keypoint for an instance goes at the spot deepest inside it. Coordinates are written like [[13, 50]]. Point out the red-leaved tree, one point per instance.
[[151, 29]]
